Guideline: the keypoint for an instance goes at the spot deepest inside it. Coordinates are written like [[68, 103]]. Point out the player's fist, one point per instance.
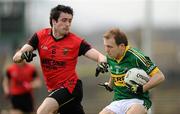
[[135, 88], [28, 56], [102, 67], [17, 57]]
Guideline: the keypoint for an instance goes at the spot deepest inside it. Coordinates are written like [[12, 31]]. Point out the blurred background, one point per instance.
[[151, 25]]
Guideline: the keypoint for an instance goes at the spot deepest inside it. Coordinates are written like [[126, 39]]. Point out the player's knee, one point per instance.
[[46, 110], [137, 108], [106, 111], [101, 112], [41, 111]]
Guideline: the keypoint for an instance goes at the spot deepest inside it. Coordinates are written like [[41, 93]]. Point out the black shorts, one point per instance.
[[23, 102], [69, 103]]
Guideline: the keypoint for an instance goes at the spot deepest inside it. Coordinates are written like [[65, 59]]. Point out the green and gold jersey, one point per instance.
[[132, 58]]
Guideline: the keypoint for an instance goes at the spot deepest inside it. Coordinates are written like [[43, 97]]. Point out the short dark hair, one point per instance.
[[56, 11], [118, 35]]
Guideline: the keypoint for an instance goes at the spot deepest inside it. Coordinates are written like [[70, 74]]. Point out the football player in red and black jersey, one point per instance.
[[20, 80], [58, 51]]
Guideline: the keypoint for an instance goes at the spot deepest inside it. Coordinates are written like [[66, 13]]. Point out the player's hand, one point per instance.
[[28, 56], [102, 67], [106, 86], [7, 95], [17, 57], [27, 85], [135, 88]]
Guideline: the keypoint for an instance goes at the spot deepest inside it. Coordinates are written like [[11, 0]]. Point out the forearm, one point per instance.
[[5, 85], [26, 47], [36, 83], [154, 81], [95, 55], [17, 57]]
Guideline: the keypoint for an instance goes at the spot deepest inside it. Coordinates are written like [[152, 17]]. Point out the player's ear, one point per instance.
[[122, 45], [53, 22]]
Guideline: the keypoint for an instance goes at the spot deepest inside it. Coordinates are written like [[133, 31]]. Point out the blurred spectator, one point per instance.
[[18, 84]]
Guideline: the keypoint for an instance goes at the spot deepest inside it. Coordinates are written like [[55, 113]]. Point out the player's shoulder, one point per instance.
[[30, 65], [44, 31], [135, 51], [74, 36], [11, 66]]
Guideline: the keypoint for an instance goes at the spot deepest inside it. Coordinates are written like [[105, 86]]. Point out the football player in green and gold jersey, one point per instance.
[[120, 58]]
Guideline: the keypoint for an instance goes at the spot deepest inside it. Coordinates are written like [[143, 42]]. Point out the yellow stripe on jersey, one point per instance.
[[117, 75], [118, 60], [154, 71], [140, 56]]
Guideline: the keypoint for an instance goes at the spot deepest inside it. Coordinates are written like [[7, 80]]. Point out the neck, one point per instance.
[[120, 54], [56, 34], [21, 64]]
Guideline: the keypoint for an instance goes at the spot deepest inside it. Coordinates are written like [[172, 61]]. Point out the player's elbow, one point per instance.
[[161, 77]]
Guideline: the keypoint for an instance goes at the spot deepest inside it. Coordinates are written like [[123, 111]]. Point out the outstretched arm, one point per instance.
[[95, 55]]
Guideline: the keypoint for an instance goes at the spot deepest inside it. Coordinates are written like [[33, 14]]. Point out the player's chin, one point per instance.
[[111, 55], [66, 32]]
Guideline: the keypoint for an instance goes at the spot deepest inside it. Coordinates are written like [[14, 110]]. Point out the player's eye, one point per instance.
[[66, 20]]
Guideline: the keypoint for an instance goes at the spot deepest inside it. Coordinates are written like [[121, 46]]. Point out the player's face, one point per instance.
[[62, 25], [112, 49]]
